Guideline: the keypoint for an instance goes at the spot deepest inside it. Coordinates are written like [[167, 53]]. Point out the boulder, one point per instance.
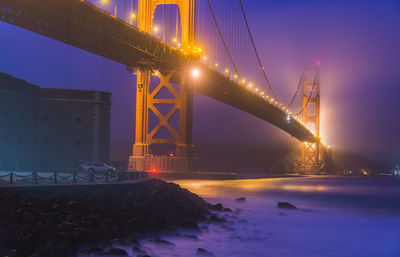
[[241, 199], [203, 252], [286, 205], [117, 252]]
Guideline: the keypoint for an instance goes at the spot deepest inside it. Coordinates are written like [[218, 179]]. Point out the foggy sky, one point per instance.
[[357, 43]]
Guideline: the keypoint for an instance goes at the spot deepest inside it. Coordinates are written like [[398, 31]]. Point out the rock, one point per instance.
[[191, 237], [227, 210], [217, 207], [92, 249], [139, 251], [133, 241], [286, 205], [116, 251], [158, 240], [57, 220], [203, 252], [215, 219], [204, 228], [241, 199]]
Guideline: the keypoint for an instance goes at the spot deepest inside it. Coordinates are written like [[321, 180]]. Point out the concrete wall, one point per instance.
[[45, 129]]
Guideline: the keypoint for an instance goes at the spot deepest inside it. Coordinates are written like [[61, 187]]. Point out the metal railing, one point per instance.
[[33, 177]]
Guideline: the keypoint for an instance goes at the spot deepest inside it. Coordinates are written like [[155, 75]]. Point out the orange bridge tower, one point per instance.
[[149, 102]]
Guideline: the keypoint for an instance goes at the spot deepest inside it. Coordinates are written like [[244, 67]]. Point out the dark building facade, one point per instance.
[[46, 128]]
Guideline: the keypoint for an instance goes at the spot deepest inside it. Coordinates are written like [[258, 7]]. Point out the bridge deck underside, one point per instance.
[[87, 27]]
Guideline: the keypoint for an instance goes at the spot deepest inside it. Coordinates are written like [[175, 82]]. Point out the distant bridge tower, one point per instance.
[[310, 163], [147, 99]]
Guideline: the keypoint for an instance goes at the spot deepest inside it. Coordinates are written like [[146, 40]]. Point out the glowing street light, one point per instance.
[[195, 73], [156, 29]]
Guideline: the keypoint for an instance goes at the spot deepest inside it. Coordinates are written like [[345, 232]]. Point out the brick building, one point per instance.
[[46, 128]]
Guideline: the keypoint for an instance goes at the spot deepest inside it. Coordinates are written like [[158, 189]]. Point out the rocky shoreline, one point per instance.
[[85, 220]]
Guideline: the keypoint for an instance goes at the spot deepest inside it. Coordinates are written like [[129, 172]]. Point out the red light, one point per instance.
[[154, 170], [318, 63], [171, 155]]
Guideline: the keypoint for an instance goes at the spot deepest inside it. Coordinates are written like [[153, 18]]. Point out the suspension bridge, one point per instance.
[[176, 48]]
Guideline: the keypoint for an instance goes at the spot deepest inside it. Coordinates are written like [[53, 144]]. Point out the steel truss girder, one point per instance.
[[83, 25]]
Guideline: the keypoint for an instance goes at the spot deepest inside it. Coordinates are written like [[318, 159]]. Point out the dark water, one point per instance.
[[337, 217]]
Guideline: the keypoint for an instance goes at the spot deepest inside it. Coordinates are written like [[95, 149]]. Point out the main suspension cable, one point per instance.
[[309, 96], [297, 90], [255, 50], [222, 38]]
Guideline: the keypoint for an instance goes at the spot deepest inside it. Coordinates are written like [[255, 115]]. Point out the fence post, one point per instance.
[[106, 176], [74, 177], [55, 177], [11, 177], [34, 177]]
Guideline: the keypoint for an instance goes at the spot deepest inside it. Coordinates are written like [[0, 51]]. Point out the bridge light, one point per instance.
[[226, 70], [133, 15], [250, 85], [174, 40], [243, 81], [235, 76], [216, 65], [156, 29], [256, 89], [288, 118], [199, 49], [195, 73]]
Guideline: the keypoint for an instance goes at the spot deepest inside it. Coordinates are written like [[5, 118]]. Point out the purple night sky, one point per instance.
[[357, 42]]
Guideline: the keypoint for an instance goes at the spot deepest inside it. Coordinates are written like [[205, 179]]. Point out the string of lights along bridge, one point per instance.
[[223, 41]]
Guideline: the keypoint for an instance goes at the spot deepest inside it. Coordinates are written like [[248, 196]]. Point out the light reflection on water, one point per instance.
[[378, 194]]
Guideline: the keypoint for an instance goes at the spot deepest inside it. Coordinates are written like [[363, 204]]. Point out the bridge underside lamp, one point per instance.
[[195, 73]]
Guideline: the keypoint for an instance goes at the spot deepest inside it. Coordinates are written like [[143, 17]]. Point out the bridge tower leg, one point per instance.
[[310, 163], [147, 100]]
